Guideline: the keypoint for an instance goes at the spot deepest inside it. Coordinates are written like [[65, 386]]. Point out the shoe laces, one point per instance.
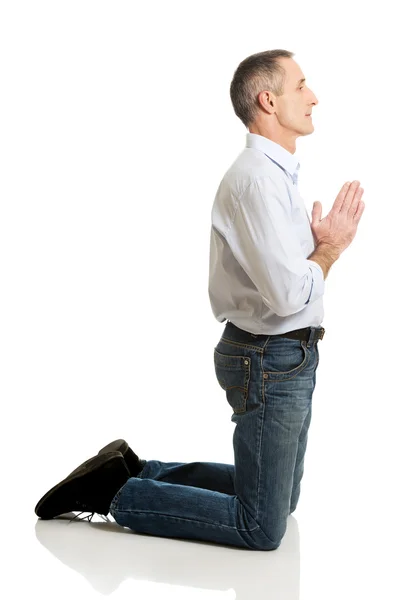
[[89, 517]]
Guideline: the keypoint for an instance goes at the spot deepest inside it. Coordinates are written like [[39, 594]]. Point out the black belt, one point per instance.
[[303, 334], [297, 334]]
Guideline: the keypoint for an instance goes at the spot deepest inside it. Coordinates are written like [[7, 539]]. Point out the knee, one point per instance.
[[266, 540], [294, 500], [271, 534], [270, 546], [264, 544]]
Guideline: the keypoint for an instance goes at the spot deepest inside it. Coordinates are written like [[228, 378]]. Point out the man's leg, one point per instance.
[[299, 468], [269, 416], [302, 447], [207, 475]]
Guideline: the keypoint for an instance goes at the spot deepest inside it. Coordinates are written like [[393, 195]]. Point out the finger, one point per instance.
[[360, 210], [348, 201], [356, 201], [337, 205]]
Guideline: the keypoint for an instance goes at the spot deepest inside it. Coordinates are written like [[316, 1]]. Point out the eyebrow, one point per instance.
[[301, 81]]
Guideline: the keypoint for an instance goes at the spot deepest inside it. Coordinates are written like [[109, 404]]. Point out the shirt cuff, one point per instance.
[[318, 282]]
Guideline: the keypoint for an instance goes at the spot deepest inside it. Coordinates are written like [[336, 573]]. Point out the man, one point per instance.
[[268, 264]]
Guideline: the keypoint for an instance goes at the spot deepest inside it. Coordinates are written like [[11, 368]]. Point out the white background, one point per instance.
[[116, 129]]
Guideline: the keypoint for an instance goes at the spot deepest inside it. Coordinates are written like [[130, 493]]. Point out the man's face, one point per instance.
[[296, 102]]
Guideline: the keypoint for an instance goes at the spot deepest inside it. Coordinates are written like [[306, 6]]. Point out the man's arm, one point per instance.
[[265, 244], [325, 255]]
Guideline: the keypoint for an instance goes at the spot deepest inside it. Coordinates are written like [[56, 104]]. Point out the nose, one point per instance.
[[315, 100]]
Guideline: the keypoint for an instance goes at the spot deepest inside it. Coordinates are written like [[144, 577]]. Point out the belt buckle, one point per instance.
[[322, 333]]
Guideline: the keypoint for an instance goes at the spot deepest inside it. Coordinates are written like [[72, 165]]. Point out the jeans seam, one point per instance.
[[114, 501], [166, 516], [240, 345], [259, 457], [262, 378]]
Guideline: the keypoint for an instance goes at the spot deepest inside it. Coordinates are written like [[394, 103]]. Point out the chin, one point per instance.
[[309, 130]]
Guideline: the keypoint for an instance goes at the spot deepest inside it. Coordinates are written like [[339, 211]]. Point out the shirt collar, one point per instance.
[[276, 152]]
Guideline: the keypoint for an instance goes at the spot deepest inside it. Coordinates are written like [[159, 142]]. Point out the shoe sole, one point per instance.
[[84, 469]]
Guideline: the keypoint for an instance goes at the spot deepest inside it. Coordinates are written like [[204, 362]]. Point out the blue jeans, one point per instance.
[[269, 383]]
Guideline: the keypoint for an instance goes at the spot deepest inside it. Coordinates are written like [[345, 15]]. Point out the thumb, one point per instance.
[[316, 212]]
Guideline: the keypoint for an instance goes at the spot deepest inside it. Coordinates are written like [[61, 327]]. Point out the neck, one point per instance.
[[283, 138]]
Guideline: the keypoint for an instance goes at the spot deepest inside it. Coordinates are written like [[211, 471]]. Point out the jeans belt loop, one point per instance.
[[311, 337], [313, 331]]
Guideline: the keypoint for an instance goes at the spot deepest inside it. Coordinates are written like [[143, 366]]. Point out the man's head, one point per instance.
[[270, 96]]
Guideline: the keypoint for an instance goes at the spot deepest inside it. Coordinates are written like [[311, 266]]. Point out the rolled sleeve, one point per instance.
[[318, 283], [264, 241]]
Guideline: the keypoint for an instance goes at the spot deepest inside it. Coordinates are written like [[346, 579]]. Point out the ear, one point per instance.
[[266, 101]]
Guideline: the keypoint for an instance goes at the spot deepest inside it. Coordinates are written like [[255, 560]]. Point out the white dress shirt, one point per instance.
[[260, 278]]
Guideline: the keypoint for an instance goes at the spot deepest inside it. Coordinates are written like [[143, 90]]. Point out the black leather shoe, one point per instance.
[[90, 488], [133, 462]]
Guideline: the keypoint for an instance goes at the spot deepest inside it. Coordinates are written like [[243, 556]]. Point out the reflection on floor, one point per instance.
[[107, 554]]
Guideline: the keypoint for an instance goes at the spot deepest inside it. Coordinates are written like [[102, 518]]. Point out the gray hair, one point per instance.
[[256, 73]]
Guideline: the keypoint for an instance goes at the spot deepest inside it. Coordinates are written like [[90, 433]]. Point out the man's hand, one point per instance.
[[339, 227]]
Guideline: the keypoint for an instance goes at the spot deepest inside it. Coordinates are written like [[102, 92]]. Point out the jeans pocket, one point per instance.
[[233, 374], [285, 358]]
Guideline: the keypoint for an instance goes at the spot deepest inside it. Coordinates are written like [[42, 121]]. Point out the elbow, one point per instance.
[[286, 311], [279, 307], [283, 307], [298, 301], [296, 298]]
